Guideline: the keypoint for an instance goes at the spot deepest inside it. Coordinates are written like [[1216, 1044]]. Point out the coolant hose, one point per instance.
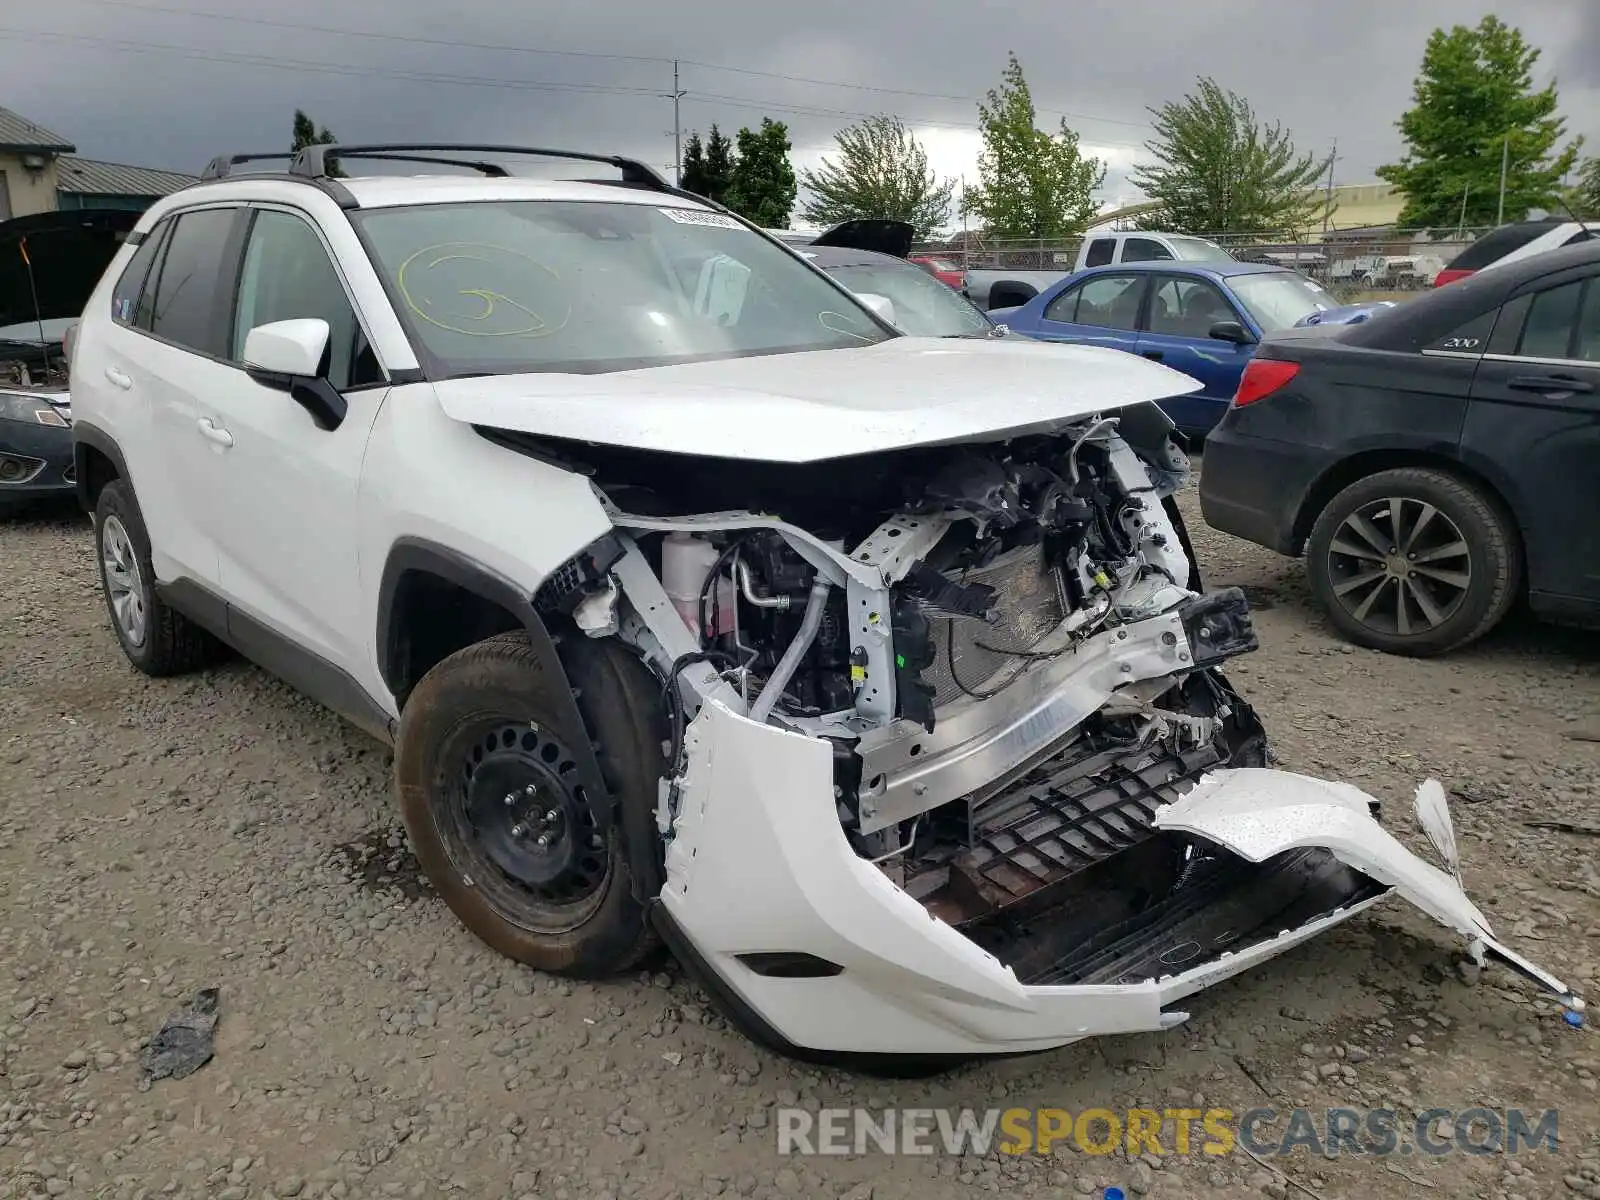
[[790, 662]]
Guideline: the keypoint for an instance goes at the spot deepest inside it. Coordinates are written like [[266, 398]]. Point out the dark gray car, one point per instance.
[[922, 305], [1434, 463]]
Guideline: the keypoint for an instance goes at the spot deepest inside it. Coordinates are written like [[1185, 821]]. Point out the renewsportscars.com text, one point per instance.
[[1214, 1132]]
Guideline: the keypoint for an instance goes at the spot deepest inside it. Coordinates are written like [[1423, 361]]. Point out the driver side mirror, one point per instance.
[[292, 356], [1231, 331], [881, 305]]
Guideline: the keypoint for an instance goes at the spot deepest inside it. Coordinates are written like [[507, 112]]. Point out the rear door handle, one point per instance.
[[1155, 354], [214, 432], [118, 379], [1549, 383]]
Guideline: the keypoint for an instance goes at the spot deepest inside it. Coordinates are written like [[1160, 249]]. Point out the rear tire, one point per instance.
[[156, 639], [485, 770], [1436, 577]]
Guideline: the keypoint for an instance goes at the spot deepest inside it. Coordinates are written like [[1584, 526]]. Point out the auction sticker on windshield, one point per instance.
[[693, 216]]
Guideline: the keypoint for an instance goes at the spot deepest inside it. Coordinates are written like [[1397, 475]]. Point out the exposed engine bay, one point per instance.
[[1004, 644], [978, 683]]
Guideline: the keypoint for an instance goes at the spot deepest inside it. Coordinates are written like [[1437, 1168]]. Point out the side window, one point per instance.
[[288, 276], [1187, 307], [1063, 308], [1144, 250], [1552, 322], [1110, 301], [1100, 252], [1587, 343], [189, 294], [131, 287]]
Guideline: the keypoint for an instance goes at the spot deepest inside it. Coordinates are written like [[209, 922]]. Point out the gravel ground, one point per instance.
[[161, 837]]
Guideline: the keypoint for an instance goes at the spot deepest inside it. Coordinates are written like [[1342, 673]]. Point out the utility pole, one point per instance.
[[966, 244], [1327, 203], [677, 129], [1505, 161], [676, 95]]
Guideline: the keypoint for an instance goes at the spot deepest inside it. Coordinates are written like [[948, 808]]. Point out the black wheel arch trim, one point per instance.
[[419, 554], [1474, 468], [87, 436]]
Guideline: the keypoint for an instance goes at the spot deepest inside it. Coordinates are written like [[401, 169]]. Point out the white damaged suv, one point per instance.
[[871, 673]]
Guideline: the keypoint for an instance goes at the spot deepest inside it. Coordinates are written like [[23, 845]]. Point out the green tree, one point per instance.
[[761, 187], [882, 171], [708, 165], [692, 166], [1217, 169], [1584, 198], [306, 134], [1472, 102], [719, 163], [1033, 183]]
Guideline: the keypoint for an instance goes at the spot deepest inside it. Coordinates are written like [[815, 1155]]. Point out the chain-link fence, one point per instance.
[[1352, 263]]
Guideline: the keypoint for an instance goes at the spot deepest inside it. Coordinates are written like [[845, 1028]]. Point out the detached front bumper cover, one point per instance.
[[759, 867], [1256, 813]]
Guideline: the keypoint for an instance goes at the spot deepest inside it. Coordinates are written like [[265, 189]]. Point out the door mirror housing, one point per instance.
[[881, 305], [293, 348], [1231, 331], [291, 356]]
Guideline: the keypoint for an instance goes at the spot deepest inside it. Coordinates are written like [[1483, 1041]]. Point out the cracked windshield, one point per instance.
[[504, 287]]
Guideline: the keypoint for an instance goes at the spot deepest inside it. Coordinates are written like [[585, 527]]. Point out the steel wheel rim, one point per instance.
[[1400, 566], [124, 585], [499, 782]]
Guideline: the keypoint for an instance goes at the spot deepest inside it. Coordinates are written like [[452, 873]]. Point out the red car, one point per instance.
[[942, 269]]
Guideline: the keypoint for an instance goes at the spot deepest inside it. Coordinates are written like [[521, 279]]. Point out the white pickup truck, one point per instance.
[[1003, 287]]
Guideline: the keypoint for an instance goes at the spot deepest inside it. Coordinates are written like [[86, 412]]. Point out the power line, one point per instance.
[[11, 34], [415, 39], [663, 60], [126, 45]]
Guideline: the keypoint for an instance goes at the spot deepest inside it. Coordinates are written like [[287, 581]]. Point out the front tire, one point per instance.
[[497, 817], [156, 639], [1414, 561]]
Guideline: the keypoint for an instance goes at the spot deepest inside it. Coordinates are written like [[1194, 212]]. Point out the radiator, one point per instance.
[[1028, 597]]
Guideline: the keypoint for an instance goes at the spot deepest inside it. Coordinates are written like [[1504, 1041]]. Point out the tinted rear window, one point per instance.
[[189, 290], [1498, 243], [1100, 252], [125, 296]]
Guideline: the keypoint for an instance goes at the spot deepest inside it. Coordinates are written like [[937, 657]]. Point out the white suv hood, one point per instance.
[[823, 404]]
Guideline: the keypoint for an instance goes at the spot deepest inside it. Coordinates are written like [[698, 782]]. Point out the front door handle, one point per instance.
[[1155, 354], [1549, 384], [119, 379], [214, 432]]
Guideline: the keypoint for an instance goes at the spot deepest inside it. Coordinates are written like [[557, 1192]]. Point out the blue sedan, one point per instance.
[[1203, 319]]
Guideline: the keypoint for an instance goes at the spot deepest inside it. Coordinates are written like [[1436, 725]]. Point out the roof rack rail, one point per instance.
[[222, 165], [309, 165], [493, 170], [312, 161]]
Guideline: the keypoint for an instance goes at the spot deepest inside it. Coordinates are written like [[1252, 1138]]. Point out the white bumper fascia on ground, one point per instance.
[[759, 864], [1259, 813]]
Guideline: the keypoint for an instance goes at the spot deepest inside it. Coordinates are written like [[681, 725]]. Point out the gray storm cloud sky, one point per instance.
[[155, 83]]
